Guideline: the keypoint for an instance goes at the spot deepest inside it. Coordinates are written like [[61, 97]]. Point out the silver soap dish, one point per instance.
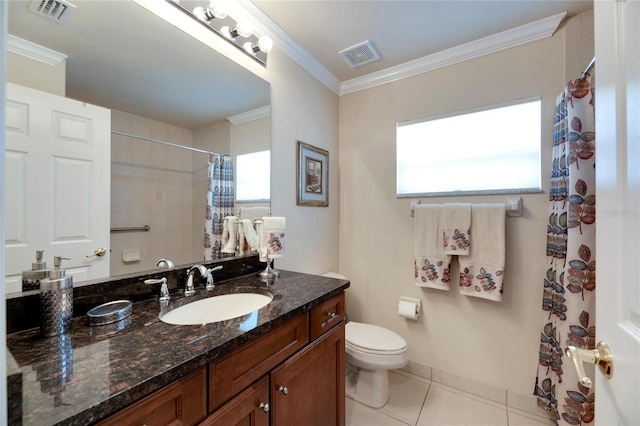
[[111, 312]]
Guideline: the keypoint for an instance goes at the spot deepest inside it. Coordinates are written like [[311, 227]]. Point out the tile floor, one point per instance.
[[416, 401]]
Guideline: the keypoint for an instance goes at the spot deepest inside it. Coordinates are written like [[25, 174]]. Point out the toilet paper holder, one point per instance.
[[410, 300]]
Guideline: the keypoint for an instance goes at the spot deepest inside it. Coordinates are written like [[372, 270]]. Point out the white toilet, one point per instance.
[[371, 351]]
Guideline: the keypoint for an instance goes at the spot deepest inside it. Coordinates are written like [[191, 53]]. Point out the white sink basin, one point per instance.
[[216, 308]]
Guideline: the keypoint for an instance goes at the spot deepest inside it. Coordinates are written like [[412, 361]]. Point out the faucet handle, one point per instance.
[[210, 283], [164, 289]]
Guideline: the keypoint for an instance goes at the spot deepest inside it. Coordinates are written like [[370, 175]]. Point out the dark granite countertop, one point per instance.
[[91, 372]]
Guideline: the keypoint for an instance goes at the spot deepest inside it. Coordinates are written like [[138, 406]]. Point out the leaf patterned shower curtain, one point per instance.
[[568, 301], [219, 203]]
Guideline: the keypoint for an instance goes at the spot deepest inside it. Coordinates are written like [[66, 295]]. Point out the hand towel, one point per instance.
[[262, 246], [250, 234], [253, 212], [272, 237], [432, 265], [230, 222], [457, 228], [243, 246], [482, 272]]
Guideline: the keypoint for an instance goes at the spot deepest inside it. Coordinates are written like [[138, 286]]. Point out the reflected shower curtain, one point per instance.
[[219, 203], [568, 301]]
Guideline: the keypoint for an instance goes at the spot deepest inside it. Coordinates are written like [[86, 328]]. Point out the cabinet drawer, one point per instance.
[[246, 364], [180, 403], [327, 315]]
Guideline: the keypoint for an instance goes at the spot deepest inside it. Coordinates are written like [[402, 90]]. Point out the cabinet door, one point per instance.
[[249, 408], [308, 388], [181, 403]]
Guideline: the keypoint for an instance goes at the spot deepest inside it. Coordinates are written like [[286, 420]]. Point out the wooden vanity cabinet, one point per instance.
[[291, 375]]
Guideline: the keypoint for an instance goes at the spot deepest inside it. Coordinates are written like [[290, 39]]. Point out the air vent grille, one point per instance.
[[55, 10], [360, 54]]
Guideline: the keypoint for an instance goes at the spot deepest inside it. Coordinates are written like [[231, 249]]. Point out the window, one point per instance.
[[485, 151], [253, 176]]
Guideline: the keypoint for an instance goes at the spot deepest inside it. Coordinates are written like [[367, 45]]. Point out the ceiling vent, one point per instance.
[[56, 10], [360, 54]]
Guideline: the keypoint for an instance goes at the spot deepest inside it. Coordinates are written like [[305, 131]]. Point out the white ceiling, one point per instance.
[[123, 57], [401, 31]]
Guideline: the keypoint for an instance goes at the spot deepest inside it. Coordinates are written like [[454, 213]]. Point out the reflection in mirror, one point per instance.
[[158, 83]]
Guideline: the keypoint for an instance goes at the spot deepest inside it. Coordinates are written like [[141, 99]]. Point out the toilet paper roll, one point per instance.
[[408, 309]]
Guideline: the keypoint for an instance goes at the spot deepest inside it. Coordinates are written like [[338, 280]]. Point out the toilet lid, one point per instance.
[[373, 338]]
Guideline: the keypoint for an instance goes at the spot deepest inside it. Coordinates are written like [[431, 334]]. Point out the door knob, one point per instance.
[[264, 407], [601, 356], [283, 390], [99, 252]]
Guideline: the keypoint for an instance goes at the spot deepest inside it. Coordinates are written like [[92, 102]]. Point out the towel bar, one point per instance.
[[513, 207], [131, 228]]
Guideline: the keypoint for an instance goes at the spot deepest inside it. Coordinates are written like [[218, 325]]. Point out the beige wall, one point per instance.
[[303, 109], [495, 343], [151, 184], [37, 75]]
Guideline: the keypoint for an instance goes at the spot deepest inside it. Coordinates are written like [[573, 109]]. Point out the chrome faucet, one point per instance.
[[165, 263], [204, 272]]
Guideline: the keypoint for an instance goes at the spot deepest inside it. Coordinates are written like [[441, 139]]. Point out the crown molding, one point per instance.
[[283, 41], [34, 51], [523, 34], [254, 114]]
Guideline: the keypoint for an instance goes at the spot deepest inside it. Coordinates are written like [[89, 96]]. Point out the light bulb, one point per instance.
[[265, 44], [244, 29], [248, 47], [226, 31], [199, 13], [219, 8]]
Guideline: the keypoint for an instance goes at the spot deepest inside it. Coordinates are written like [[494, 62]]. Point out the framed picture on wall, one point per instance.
[[313, 176]]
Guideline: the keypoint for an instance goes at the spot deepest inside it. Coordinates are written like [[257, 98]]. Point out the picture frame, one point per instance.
[[312, 169]]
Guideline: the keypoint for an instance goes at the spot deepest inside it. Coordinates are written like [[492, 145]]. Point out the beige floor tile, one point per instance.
[[361, 415], [407, 397], [519, 418], [445, 406]]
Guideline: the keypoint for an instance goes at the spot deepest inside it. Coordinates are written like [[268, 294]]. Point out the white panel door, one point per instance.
[[618, 207], [58, 163]]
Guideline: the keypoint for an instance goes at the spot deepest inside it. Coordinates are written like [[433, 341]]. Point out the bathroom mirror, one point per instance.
[[159, 83]]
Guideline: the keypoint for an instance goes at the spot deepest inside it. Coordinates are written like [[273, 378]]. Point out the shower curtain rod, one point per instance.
[[175, 145], [588, 69]]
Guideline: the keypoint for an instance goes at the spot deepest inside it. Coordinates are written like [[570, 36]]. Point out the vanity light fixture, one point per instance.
[[216, 16]]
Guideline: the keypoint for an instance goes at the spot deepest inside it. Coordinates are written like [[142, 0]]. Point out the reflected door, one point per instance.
[[57, 184]]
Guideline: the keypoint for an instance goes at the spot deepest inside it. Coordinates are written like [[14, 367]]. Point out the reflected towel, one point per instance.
[[481, 273], [249, 234], [230, 225], [432, 265], [457, 228], [253, 212], [272, 237]]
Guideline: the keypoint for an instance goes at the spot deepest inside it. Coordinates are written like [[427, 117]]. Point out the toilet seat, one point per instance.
[[371, 339]]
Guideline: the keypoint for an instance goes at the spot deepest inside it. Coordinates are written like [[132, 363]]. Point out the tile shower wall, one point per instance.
[[152, 184]]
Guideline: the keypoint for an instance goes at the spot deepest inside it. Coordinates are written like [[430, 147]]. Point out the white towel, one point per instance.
[[457, 228], [253, 212], [432, 265], [249, 233], [272, 237], [230, 224], [482, 272]]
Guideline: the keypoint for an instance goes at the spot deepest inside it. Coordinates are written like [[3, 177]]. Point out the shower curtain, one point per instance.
[[219, 203], [568, 302]]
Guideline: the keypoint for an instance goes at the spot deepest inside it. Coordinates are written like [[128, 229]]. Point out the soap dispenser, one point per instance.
[[31, 279], [56, 301]]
